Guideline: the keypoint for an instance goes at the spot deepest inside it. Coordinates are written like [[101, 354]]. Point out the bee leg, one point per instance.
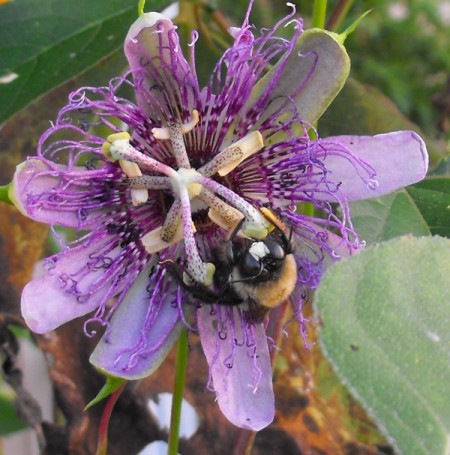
[[198, 290], [174, 269], [229, 244], [227, 296]]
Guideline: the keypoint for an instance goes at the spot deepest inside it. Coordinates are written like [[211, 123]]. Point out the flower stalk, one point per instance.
[[319, 13], [177, 401]]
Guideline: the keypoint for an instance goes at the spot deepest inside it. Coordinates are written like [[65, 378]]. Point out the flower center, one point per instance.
[[225, 208]]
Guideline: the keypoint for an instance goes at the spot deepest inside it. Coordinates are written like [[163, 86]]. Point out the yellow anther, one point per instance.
[[248, 146], [130, 169], [139, 196], [227, 223], [153, 242], [186, 127], [161, 133], [164, 132]]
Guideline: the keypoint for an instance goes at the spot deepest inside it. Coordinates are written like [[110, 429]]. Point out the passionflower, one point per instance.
[[158, 185]]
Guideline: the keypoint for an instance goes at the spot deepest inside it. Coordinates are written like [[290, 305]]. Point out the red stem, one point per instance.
[[102, 446]]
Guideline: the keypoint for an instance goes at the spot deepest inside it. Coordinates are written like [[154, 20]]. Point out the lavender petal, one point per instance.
[[239, 366], [143, 328], [398, 159]]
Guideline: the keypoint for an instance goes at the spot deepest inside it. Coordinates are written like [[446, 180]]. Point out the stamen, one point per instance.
[[256, 226], [197, 270], [228, 155], [138, 195], [153, 242], [232, 156], [220, 212], [172, 222], [118, 147], [150, 182], [175, 133], [186, 127]]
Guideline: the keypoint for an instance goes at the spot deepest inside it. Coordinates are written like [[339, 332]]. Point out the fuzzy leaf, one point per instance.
[[384, 327]]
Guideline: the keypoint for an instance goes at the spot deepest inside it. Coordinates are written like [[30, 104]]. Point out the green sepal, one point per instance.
[[341, 37], [4, 193], [111, 385]]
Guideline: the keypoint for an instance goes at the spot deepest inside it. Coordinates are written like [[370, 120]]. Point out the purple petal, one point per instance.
[[163, 78], [239, 366], [398, 159], [54, 195], [143, 329], [63, 294]]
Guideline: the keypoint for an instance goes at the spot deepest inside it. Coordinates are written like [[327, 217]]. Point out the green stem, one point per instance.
[[180, 377], [102, 446], [141, 6], [319, 13]]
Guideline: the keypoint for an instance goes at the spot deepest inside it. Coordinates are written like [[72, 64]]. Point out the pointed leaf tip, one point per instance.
[[112, 384], [341, 37]]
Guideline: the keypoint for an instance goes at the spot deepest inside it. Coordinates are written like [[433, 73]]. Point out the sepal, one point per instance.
[[111, 385]]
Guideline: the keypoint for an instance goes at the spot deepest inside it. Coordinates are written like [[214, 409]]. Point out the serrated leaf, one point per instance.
[[387, 217], [45, 43], [384, 326], [432, 197], [111, 385]]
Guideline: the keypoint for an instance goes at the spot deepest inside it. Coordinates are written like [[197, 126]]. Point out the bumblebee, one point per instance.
[[261, 273]]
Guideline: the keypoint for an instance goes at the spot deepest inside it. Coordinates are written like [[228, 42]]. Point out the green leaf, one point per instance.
[[111, 385], [44, 43], [361, 109], [9, 422], [386, 217], [384, 327], [432, 197], [444, 167], [4, 194]]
